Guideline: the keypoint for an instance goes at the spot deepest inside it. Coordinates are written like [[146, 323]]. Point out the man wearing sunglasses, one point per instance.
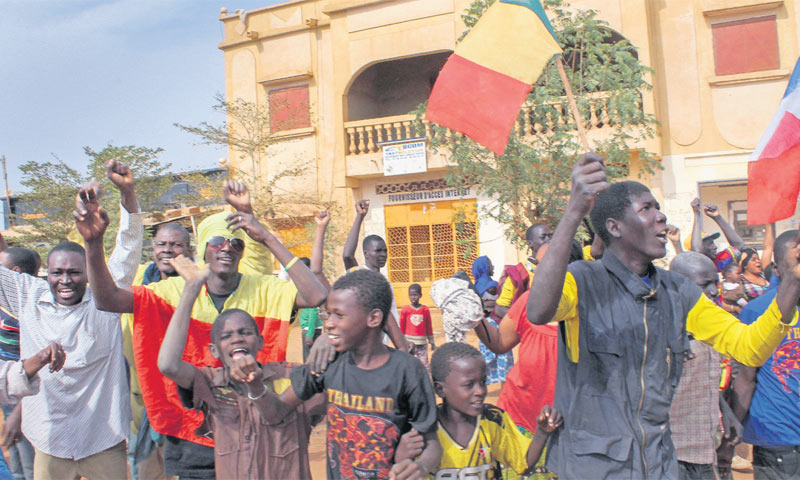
[[267, 299]]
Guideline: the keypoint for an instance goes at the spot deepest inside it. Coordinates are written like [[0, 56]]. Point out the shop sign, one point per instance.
[[428, 195], [404, 158]]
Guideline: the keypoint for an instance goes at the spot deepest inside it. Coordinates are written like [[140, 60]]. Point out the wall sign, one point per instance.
[[427, 195], [404, 158]]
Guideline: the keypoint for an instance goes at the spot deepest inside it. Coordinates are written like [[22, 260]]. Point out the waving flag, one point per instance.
[[773, 174], [481, 88]]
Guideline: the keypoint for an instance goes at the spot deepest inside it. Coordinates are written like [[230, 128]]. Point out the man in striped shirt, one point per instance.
[[79, 420]]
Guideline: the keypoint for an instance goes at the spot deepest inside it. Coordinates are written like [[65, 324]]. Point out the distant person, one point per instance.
[[516, 279], [375, 256], [20, 450], [705, 243], [753, 280], [497, 365], [416, 325]]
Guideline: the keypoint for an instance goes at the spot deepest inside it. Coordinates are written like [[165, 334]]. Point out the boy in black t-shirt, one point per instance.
[[375, 394]]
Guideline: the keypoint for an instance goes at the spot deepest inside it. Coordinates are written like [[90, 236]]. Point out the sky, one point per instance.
[[78, 73]]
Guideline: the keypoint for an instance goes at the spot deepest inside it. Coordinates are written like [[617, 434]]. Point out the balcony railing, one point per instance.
[[365, 136]]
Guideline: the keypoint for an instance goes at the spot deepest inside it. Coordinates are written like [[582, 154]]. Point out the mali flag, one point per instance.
[[266, 298], [481, 88]]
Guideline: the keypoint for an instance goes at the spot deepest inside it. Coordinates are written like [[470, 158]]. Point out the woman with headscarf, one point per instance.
[[497, 366], [753, 278]]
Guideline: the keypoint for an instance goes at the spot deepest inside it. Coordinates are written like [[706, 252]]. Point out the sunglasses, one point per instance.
[[216, 243]]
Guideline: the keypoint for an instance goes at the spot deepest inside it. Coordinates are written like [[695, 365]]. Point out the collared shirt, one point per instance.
[[694, 415], [247, 446], [84, 408]]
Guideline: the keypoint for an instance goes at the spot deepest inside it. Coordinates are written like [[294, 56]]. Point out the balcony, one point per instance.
[[364, 137]]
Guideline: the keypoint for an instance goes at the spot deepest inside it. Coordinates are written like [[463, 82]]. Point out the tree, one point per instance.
[[246, 132], [52, 187], [530, 181]]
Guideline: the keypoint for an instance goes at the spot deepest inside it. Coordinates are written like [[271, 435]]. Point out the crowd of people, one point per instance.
[[177, 368]]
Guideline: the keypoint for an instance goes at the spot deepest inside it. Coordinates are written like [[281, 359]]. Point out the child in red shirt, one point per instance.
[[416, 325]]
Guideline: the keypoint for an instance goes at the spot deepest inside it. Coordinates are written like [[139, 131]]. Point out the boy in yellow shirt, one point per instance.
[[478, 439]]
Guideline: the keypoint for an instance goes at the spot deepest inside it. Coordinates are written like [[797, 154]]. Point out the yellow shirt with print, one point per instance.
[[750, 344], [496, 439]]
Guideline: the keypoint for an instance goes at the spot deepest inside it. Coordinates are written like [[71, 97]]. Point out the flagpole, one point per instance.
[[573, 105]]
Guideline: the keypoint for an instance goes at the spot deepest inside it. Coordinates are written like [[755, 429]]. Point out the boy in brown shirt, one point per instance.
[[246, 445]]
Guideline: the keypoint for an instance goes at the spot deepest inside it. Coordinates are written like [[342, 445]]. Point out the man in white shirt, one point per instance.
[[79, 421]]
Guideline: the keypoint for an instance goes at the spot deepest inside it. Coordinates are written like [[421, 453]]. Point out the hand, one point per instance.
[[673, 233], [410, 446], [90, 218], [120, 175], [12, 427], [549, 420], [323, 218], [696, 205], [733, 429], [245, 369], [362, 207], [53, 354], [406, 470], [237, 195], [588, 180], [249, 223], [322, 353], [189, 270], [711, 210]]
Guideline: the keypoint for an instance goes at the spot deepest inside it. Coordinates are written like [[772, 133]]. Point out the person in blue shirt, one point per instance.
[[766, 399]]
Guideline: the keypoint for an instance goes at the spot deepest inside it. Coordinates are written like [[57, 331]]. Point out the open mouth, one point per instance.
[[66, 292], [662, 237], [239, 352], [225, 259]]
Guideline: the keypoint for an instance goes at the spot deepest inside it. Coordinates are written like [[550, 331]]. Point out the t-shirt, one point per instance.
[[245, 444], [309, 321], [531, 383], [416, 324], [496, 441], [773, 419], [368, 410]]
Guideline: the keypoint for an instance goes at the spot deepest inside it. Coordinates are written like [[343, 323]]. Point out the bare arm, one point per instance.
[[730, 233], [769, 245], [588, 179], [322, 219], [395, 334], [427, 461], [674, 236], [310, 292], [91, 221], [170, 356], [743, 388], [349, 250], [498, 339], [548, 421], [3, 244], [697, 226]]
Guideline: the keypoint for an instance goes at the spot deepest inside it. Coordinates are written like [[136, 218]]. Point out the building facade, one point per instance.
[[340, 77]]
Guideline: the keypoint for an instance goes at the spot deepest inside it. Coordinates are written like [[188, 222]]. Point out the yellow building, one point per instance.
[[340, 76]]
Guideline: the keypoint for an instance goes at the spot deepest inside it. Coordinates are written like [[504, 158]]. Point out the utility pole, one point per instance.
[[8, 192]]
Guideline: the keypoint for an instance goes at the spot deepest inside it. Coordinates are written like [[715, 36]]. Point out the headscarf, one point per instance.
[[256, 258], [480, 271]]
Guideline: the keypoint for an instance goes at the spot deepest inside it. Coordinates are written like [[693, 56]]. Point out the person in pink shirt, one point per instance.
[[416, 325]]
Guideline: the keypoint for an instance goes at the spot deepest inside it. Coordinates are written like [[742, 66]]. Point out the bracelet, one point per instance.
[[289, 265], [251, 397]]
